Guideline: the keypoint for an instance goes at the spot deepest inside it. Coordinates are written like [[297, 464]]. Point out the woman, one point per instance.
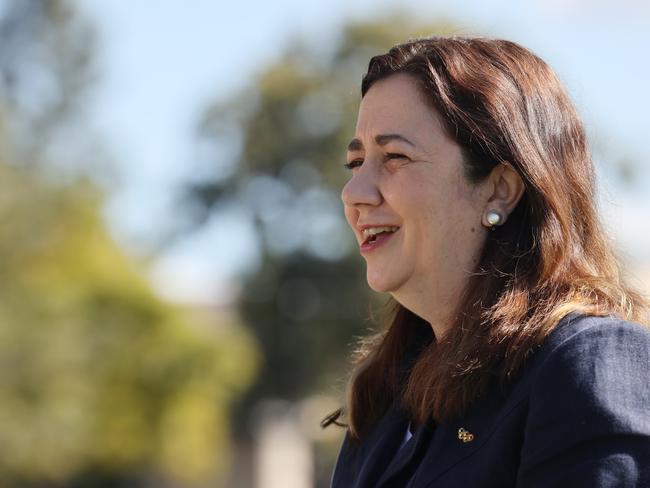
[[512, 357]]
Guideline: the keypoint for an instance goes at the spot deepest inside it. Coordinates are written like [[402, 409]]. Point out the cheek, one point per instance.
[[404, 195], [440, 212], [427, 202], [472, 196]]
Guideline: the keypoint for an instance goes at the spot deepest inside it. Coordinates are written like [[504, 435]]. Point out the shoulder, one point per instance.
[[588, 403], [575, 328], [587, 353], [594, 363]]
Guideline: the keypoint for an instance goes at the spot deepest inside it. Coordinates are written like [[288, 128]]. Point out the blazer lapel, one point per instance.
[[453, 442], [406, 459], [379, 448], [446, 449]]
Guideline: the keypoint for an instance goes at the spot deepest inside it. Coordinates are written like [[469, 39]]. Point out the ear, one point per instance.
[[507, 189]]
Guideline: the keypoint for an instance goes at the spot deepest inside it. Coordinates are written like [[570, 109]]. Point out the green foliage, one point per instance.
[[96, 374], [96, 371], [277, 150]]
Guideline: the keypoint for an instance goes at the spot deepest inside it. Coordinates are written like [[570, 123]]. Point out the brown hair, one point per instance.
[[501, 103]]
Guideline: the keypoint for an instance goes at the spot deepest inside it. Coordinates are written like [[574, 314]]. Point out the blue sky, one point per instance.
[[161, 62]]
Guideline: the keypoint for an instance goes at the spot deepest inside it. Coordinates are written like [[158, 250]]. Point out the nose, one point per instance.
[[362, 188]]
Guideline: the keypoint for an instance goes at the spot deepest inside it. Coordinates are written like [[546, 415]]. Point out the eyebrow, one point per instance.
[[380, 139]]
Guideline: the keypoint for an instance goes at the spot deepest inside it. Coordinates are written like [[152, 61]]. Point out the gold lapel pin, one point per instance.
[[465, 436]]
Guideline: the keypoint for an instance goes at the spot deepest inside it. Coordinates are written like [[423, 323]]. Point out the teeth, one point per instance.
[[372, 231]]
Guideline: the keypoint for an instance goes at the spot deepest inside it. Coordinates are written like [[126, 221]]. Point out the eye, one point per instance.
[[355, 163], [395, 156]]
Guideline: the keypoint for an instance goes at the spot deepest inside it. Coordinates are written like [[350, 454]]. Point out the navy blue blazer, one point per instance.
[[577, 416]]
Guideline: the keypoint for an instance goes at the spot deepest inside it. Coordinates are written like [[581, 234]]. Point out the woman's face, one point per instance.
[[407, 181]]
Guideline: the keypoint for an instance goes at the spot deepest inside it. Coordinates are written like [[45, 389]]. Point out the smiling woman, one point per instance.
[[471, 196]]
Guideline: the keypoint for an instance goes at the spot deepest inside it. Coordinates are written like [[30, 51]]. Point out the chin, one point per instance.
[[378, 288], [381, 283]]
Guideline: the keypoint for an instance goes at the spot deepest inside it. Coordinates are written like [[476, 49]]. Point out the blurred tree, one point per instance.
[[276, 151], [46, 70], [101, 384], [98, 378]]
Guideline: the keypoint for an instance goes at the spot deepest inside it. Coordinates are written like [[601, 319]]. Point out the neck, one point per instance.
[[439, 317], [434, 302]]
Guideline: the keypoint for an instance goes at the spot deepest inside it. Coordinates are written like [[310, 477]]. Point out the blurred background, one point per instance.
[[179, 293]]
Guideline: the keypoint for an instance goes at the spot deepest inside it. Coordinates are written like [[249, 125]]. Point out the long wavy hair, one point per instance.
[[500, 103]]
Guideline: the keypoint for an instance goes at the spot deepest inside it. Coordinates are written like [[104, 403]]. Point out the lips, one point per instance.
[[376, 235], [380, 235], [368, 231]]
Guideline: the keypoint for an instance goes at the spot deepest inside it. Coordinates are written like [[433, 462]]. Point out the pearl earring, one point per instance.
[[493, 218]]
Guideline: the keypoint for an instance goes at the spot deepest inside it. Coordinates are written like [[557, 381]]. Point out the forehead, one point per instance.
[[396, 105]]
